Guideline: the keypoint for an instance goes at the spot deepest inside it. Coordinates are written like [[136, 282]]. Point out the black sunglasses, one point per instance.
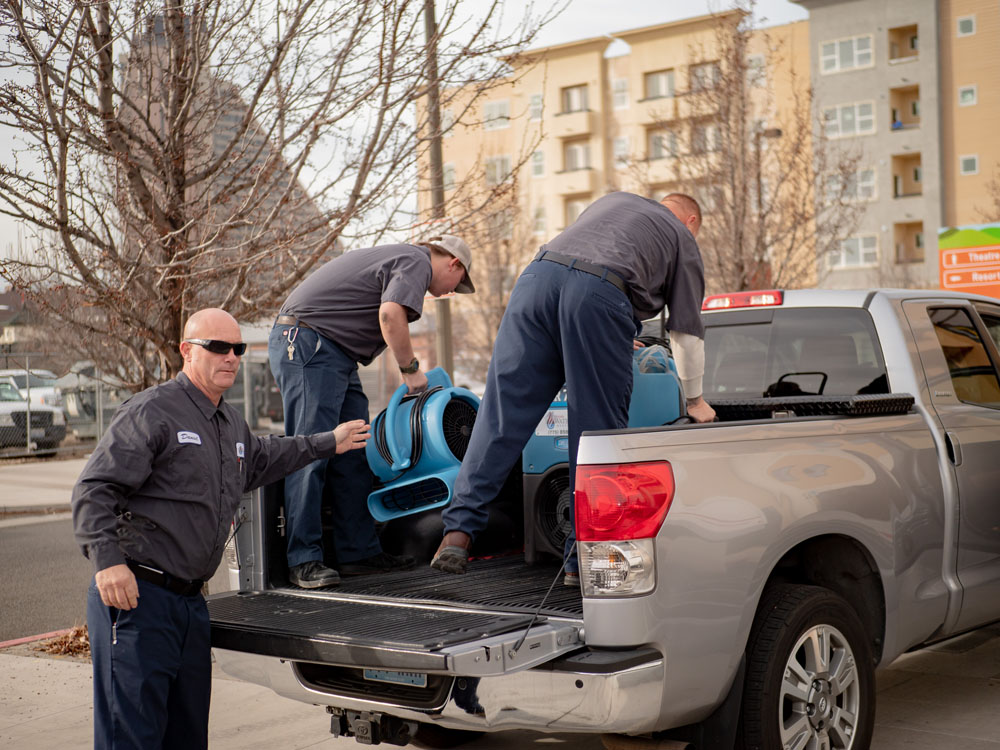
[[219, 347]]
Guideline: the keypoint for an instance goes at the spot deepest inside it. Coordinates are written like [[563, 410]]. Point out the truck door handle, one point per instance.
[[954, 448]]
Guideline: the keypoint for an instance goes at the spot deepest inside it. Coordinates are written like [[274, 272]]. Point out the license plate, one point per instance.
[[555, 423], [417, 679], [37, 434]]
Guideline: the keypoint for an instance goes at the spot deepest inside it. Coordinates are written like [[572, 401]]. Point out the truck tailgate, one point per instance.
[[419, 620]]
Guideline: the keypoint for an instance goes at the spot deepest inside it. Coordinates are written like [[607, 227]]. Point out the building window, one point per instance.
[[447, 123], [914, 42], [497, 169], [576, 155], [855, 252], [857, 186], [535, 108], [849, 119], [619, 96], [574, 98], [969, 164], [705, 137], [967, 96], [662, 143], [918, 174], [915, 107], [659, 84], [449, 176], [756, 74], [538, 225], [573, 210], [704, 77], [918, 240], [846, 54], [496, 115], [620, 150], [538, 164], [966, 25]]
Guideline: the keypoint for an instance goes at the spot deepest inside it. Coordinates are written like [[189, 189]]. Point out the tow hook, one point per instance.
[[370, 728]]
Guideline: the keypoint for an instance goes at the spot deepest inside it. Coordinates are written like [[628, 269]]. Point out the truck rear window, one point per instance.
[[792, 352]]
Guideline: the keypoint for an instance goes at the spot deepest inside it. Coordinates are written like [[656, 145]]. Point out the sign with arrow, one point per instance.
[[970, 259]]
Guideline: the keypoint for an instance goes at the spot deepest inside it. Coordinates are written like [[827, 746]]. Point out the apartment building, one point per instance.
[[913, 85]]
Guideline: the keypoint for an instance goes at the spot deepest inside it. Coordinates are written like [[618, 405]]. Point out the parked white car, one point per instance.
[[48, 424], [43, 389]]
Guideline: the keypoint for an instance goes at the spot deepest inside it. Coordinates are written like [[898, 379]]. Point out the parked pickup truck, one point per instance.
[[740, 580]]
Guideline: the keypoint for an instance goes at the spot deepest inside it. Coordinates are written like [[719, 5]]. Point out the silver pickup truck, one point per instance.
[[741, 580]]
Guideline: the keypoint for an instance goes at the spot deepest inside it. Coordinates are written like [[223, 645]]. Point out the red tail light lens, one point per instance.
[[622, 501]]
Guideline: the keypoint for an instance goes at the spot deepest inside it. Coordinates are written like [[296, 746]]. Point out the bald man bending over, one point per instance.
[[152, 511], [571, 319]]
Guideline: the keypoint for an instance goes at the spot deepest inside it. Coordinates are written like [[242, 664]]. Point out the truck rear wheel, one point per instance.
[[810, 680]]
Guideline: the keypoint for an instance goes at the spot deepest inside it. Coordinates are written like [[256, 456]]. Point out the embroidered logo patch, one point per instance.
[[240, 450], [188, 437]]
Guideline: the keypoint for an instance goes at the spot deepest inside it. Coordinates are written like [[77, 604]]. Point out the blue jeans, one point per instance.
[[561, 325], [320, 388], [153, 677]]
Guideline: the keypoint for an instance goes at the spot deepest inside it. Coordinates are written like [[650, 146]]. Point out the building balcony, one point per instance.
[[575, 181], [660, 109], [658, 171], [570, 124]]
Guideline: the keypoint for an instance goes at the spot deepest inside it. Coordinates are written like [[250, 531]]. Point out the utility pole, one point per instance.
[[445, 356]]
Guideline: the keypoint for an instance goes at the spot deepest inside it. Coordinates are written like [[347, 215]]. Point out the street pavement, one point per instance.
[[945, 697]]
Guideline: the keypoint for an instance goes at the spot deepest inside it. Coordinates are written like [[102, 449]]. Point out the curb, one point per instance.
[[32, 638]]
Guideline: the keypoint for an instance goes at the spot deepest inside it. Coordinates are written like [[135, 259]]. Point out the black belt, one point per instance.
[[290, 320], [594, 270], [180, 586]]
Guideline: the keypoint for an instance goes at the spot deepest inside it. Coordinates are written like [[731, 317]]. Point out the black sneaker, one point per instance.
[[383, 562], [313, 575]]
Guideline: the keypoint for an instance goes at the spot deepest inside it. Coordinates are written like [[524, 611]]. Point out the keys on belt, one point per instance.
[[581, 265], [150, 574]]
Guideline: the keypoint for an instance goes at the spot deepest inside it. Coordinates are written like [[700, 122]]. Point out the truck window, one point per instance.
[[826, 351], [972, 373]]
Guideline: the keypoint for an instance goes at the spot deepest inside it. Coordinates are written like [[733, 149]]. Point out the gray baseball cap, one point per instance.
[[456, 247]]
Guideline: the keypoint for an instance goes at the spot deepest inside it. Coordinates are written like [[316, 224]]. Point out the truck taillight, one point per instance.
[[622, 501], [768, 298]]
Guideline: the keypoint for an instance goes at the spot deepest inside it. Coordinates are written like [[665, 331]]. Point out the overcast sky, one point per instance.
[[580, 20]]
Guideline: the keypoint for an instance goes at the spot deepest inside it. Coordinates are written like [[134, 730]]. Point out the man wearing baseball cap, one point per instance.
[[345, 313]]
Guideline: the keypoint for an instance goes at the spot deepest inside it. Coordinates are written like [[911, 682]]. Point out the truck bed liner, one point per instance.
[[502, 584]]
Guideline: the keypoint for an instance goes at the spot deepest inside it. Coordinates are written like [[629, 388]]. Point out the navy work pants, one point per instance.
[[320, 388], [561, 325], [152, 673]]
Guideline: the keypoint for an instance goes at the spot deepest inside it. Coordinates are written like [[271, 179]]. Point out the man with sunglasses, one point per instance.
[[152, 510], [345, 313]]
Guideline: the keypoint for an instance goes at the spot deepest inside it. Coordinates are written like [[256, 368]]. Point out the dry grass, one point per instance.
[[74, 643]]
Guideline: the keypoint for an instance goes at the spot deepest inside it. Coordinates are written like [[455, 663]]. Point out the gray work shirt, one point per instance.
[[341, 298], [164, 482], [650, 248]]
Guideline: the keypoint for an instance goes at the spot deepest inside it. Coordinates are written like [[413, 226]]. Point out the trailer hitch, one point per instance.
[[370, 728]]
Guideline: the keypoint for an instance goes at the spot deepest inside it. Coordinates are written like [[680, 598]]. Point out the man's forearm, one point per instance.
[[396, 331], [689, 356]]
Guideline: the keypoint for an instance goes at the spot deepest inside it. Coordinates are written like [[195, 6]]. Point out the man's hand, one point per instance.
[[117, 587], [415, 381], [699, 410], [351, 435]]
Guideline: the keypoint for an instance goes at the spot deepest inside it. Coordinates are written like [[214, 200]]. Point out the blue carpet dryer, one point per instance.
[[656, 399], [417, 445]]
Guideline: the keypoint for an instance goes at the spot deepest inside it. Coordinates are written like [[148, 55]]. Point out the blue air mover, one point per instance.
[[656, 400], [417, 445]]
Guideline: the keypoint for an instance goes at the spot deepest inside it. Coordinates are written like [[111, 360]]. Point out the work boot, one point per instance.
[[453, 554], [383, 562], [313, 575]]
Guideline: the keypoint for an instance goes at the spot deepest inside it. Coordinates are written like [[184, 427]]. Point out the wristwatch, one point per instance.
[[411, 368]]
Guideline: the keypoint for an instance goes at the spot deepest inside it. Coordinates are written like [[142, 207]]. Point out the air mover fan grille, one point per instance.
[[456, 424], [554, 508]]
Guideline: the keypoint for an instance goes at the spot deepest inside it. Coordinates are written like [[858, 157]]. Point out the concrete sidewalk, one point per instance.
[[945, 697], [44, 486]]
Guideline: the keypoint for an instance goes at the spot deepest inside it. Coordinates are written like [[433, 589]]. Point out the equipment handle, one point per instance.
[[401, 452]]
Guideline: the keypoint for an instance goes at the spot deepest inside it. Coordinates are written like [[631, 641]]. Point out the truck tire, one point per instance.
[[810, 680], [434, 737]]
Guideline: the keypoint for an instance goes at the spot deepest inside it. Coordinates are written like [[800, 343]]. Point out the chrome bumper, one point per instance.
[[540, 699]]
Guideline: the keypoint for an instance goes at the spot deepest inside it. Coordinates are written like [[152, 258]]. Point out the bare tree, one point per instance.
[[178, 154], [991, 211], [777, 195]]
